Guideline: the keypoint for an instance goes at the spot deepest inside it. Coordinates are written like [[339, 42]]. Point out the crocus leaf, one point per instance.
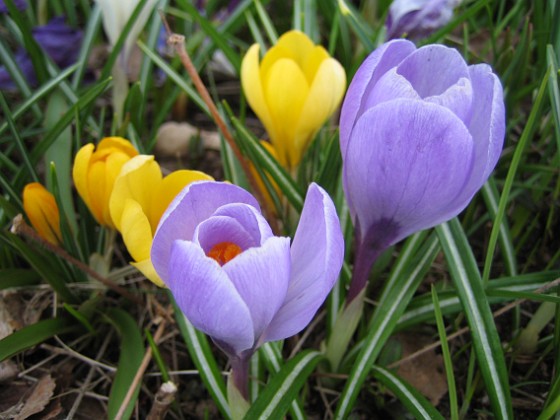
[[17, 277], [273, 360], [416, 403], [35, 334], [130, 358], [486, 342], [275, 400]]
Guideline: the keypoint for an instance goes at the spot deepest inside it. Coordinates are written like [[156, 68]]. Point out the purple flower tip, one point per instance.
[[20, 5], [416, 147], [417, 19], [235, 280], [60, 42]]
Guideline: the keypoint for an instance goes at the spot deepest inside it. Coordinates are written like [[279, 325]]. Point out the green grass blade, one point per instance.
[[447, 360], [204, 360], [263, 159], [273, 361], [399, 292], [130, 358], [486, 342], [491, 198], [173, 75], [35, 334], [275, 400], [18, 277], [513, 166], [416, 403]]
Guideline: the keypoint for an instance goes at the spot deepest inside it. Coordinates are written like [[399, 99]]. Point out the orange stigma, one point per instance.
[[224, 252]]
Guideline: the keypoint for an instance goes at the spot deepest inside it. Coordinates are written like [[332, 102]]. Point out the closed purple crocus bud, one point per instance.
[[233, 279], [59, 41], [420, 133], [417, 19]]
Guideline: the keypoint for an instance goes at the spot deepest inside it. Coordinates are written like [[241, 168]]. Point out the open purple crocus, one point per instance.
[[420, 133], [235, 280]]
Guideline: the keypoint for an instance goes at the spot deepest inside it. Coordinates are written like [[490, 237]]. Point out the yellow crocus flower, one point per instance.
[[140, 197], [42, 211], [95, 171], [293, 90]]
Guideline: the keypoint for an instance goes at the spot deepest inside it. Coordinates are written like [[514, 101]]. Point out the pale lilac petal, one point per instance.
[[208, 298], [441, 66], [488, 123], [217, 229], [250, 218], [195, 203], [376, 65], [389, 86], [261, 277], [317, 254], [458, 99], [409, 159]]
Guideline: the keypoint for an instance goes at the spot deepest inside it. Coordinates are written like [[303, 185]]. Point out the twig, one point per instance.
[[163, 399], [19, 227], [140, 372], [464, 330], [178, 42]]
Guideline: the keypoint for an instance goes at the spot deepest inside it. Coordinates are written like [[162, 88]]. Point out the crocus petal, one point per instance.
[[253, 87], [376, 65], [139, 179], [488, 122], [147, 268], [286, 90], [195, 203], [325, 94], [208, 298], [252, 220], [217, 229], [113, 144], [171, 185], [420, 161], [41, 209], [80, 172], [136, 230], [261, 276], [430, 59], [317, 254]]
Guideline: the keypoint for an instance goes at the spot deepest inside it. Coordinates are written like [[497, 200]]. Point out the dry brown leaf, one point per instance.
[[173, 139], [426, 372], [38, 399]]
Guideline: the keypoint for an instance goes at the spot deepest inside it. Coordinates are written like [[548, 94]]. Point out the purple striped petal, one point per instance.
[[317, 254]]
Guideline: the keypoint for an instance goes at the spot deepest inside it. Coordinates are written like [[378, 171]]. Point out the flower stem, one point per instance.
[[238, 387], [365, 258]]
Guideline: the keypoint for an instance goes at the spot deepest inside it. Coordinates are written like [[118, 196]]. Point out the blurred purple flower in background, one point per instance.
[[420, 133], [235, 280], [59, 41], [20, 4], [417, 19]]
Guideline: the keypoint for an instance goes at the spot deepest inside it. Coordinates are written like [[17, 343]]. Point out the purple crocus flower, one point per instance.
[[20, 5], [235, 280], [59, 41], [418, 18], [420, 133]]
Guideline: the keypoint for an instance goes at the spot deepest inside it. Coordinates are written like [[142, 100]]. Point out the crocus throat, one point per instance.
[[224, 252]]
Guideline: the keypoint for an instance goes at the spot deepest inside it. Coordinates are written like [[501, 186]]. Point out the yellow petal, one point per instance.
[[298, 44], [286, 91], [113, 165], [324, 97], [171, 185], [80, 170], [136, 231], [253, 87], [41, 209], [139, 179], [119, 144], [313, 61], [96, 186], [146, 267]]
